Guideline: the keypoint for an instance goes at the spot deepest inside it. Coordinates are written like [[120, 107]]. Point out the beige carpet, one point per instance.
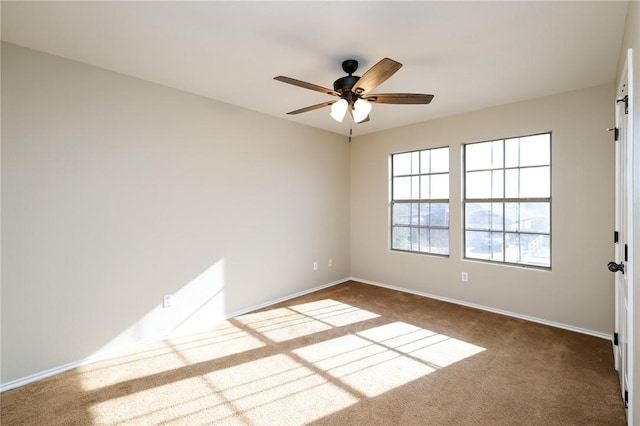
[[349, 355]]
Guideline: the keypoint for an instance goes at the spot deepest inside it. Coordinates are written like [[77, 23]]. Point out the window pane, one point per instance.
[[478, 244], [535, 150], [535, 217], [415, 163], [512, 183], [439, 187], [528, 249], [496, 245], [511, 152], [534, 182], [512, 248], [497, 154], [402, 164], [484, 245], [424, 239], [439, 160], [415, 187], [401, 238], [415, 214], [415, 239], [402, 188], [497, 185], [477, 156], [424, 187], [496, 219], [425, 161], [512, 216], [439, 241], [401, 214], [478, 215], [439, 215], [535, 249], [484, 216], [528, 217], [478, 184], [424, 214]]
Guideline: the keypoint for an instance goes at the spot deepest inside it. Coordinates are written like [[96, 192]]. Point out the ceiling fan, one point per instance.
[[353, 91]]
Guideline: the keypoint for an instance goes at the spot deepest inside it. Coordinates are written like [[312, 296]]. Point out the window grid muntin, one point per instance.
[[416, 171], [505, 200]]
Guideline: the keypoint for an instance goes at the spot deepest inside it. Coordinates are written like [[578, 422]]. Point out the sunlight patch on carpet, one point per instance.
[[335, 313], [226, 384], [263, 391], [370, 369], [292, 322], [438, 350], [380, 359], [222, 341]]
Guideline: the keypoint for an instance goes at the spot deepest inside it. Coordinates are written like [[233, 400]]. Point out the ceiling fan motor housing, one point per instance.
[[344, 84], [350, 66]]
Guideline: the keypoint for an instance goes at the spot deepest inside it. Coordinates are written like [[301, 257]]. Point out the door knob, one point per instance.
[[615, 267]]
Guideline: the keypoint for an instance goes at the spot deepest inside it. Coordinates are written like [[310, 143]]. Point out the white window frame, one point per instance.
[[500, 205]]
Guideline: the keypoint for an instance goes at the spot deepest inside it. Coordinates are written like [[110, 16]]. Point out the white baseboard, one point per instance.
[[489, 309], [93, 358], [75, 364]]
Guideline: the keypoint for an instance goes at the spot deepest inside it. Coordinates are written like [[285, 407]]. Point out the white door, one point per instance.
[[623, 227]]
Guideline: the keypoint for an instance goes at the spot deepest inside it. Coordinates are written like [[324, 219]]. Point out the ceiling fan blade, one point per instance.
[[399, 98], [311, 108], [306, 85], [365, 120], [376, 75]]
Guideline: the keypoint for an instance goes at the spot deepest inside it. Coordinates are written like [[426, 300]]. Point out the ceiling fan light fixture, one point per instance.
[[361, 110], [339, 109]]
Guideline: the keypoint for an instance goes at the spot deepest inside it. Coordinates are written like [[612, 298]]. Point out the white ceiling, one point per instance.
[[470, 55]]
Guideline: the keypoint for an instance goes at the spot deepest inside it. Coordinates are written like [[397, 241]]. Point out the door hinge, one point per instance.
[[626, 103], [616, 236], [615, 339], [626, 399], [626, 253], [616, 132]]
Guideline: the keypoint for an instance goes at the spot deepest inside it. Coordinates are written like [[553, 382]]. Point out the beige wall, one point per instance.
[[578, 291], [632, 40], [116, 191]]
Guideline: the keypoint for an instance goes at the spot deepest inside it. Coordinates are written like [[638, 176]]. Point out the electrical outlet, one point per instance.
[[167, 301], [465, 277], [330, 263], [315, 266]]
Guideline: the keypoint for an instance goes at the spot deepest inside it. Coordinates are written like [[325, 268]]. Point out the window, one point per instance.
[[507, 200], [420, 201]]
